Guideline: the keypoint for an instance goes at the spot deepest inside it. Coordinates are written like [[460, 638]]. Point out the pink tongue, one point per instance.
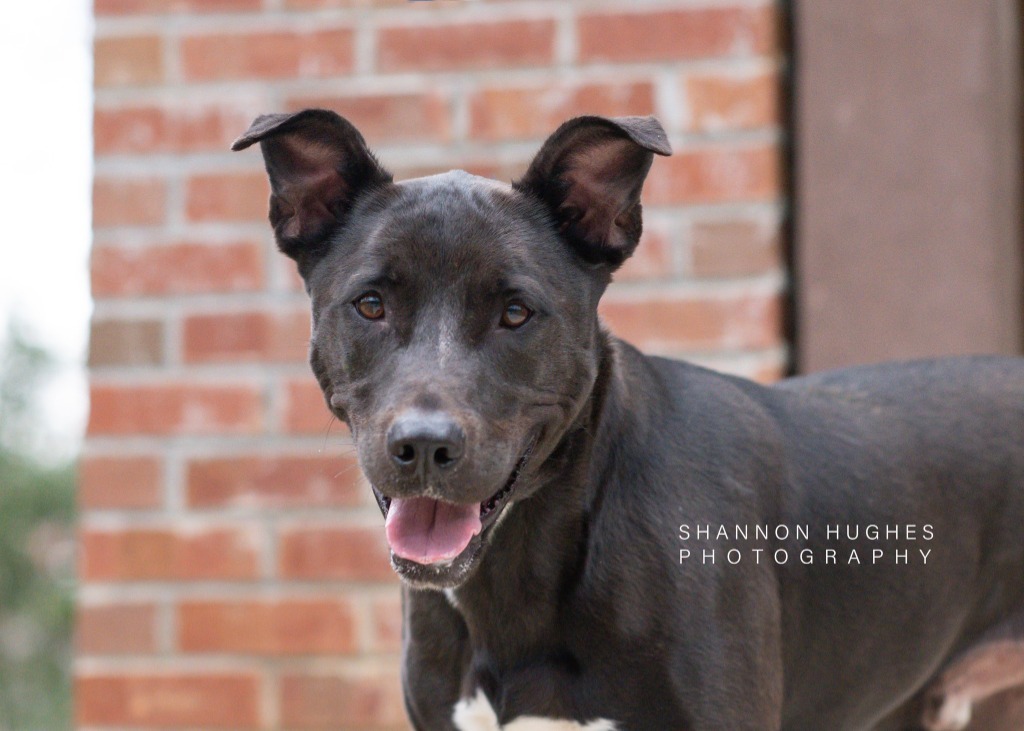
[[430, 531]]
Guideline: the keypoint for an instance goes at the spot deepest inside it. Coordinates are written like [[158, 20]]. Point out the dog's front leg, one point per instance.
[[435, 658]]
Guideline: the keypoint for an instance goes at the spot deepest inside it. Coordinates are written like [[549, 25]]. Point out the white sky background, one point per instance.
[[45, 184]]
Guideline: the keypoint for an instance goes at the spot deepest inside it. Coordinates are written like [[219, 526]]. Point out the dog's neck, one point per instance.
[[511, 603]]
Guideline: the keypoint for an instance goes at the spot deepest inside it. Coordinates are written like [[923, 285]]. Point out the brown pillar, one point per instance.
[[907, 180]]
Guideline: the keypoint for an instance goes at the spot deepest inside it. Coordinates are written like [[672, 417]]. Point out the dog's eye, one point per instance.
[[370, 306], [515, 315]]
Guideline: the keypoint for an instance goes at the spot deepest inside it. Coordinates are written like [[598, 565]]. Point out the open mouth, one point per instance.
[[428, 531]]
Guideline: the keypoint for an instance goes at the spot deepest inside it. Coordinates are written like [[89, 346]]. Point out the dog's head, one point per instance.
[[454, 317]]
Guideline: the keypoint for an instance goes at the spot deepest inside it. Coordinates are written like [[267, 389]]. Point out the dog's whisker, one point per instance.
[[344, 471], [327, 430]]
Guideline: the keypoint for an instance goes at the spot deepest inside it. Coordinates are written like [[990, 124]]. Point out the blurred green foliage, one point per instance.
[[37, 513]]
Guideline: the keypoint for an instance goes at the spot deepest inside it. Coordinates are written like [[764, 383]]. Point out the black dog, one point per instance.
[[591, 538]]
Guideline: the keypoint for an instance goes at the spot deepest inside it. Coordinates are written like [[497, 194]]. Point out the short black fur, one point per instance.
[[572, 602]]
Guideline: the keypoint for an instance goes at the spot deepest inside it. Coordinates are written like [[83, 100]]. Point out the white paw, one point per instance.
[[477, 714], [953, 715]]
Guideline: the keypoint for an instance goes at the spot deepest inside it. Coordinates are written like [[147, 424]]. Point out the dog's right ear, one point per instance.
[[318, 164]]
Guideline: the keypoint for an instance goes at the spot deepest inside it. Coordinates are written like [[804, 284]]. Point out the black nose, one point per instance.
[[425, 441]]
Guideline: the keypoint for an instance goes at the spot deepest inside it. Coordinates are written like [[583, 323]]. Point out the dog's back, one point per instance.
[[921, 461], [930, 453], [936, 443]]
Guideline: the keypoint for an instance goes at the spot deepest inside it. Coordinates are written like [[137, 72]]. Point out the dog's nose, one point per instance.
[[425, 441]]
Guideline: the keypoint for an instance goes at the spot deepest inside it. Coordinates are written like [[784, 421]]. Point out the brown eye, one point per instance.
[[515, 315], [370, 306]]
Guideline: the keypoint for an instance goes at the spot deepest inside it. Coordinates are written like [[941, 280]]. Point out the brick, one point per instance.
[[128, 202], [126, 343], [112, 629], [227, 197], [246, 336], [342, 552], [175, 409], [309, 4], [119, 482], [254, 527], [404, 171], [155, 129], [285, 627], [292, 279], [389, 117], [670, 324], [306, 411], [179, 268], [207, 700], [162, 554], [466, 46], [128, 60], [343, 701], [270, 55], [715, 175], [506, 170], [152, 7], [275, 481], [731, 102], [652, 258], [534, 112], [677, 34], [769, 373], [386, 624], [734, 248]]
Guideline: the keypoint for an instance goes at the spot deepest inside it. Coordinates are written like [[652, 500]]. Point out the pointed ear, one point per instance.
[[590, 173], [318, 164]]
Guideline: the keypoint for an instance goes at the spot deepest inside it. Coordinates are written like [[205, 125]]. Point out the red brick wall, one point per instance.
[[233, 573]]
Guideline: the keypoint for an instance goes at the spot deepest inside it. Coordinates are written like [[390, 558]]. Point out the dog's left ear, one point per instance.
[[590, 173]]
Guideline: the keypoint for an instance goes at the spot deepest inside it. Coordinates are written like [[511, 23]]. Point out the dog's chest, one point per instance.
[[477, 714]]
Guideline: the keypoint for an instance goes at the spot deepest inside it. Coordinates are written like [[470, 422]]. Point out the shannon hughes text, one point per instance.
[[802, 532], [847, 543]]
